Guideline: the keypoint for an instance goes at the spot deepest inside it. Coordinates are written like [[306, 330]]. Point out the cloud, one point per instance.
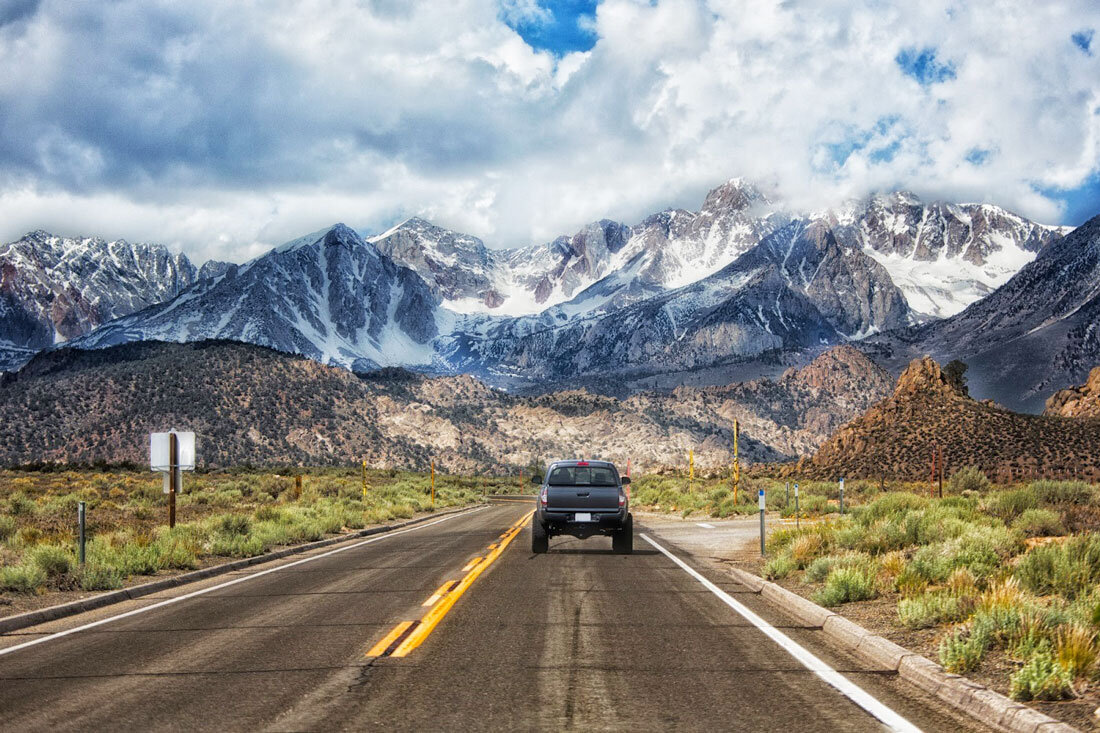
[[525, 12], [224, 128]]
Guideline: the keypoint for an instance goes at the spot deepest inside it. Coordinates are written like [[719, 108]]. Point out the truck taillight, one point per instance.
[[622, 497], [544, 496]]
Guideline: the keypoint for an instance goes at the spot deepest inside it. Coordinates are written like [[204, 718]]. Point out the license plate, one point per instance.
[[582, 517]]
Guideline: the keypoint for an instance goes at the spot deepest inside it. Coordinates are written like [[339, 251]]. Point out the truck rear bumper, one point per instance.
[[565, 522]]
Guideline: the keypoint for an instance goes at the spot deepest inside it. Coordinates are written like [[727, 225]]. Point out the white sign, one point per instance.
[[761, 495], [159, 451]]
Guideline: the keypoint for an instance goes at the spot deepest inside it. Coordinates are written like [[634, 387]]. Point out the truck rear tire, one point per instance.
[[622, 542], [540, 541]]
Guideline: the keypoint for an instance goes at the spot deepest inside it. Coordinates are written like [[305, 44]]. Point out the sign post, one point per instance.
[[763, 504], [736, 461], [841, 494], [172, 453], [80, 523], [433, 484]]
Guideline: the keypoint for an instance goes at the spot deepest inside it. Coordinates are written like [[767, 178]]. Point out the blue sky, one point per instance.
[[226, 128], [565, 27]]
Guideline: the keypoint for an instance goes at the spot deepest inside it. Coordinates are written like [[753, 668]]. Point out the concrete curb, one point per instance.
[[52, 613], [978, 701]]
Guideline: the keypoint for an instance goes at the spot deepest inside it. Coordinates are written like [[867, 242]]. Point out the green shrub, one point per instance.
[[20, 505], [961, 651], [25, 578], [7, 527], [52, 560], [845, 585], [1039, 523], [176, 553], [820, 568], [1007, 505], [232, 524], [968, 479], [779, 567], [932, 609], [269, 514], [1042, 678], [894, 504], [1075, 648], [236, 545], [1061, 492], [1070, 569], [100, 577]]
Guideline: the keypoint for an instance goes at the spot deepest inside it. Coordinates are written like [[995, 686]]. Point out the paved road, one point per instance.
[[576, 638]]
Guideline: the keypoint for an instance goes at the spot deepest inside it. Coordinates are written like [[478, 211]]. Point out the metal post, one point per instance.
[[736, 461], [787, 496], [762, 506], [80, 523], [433, 485], [842, 495], [298, 486], [173, 477], [364, 480], [796, 512]]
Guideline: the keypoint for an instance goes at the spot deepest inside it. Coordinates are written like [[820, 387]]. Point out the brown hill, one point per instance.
[[1083, 401], [930, 406], [248, 404]]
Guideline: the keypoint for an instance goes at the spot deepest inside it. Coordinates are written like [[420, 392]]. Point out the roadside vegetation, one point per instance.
[[714, 497], [223, 514], [1005, 576]]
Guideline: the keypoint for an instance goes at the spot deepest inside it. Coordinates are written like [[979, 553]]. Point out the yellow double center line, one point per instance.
[[408, 635]]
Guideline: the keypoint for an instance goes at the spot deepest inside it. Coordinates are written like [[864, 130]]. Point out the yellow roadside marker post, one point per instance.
[[364, 480], [691, 470]]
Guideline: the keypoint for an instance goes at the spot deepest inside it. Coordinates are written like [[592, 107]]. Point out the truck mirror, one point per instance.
[[625, 480]]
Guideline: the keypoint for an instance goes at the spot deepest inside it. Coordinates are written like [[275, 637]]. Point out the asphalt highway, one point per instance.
[[576, 638]]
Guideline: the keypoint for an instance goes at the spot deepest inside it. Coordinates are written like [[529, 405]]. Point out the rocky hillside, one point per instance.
[[252, 405], [1082, 401], [930, 405]]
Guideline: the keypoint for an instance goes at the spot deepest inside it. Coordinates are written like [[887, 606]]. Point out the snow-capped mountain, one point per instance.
[[330, 296], [943, 256], [53, 289], [798, 288], [1037, 333], [665, 251]]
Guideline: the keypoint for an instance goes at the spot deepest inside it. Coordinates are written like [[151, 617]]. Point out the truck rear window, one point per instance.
[[582, 476]]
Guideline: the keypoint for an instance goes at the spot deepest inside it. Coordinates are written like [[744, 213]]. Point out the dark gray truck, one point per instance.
[[581, 499]]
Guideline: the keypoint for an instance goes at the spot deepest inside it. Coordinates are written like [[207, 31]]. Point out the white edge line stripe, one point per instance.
[[705, 525], [848, 688], [177, 599]]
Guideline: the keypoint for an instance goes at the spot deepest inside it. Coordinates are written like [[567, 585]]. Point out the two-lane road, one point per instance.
[[578, 637]]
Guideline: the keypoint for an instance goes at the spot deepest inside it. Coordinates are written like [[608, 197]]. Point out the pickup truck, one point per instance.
[[581, 499]]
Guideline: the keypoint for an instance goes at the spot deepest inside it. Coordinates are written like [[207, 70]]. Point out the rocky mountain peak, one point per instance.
[[736, 194], [926, 377], [839, 368], [1080, 401]]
